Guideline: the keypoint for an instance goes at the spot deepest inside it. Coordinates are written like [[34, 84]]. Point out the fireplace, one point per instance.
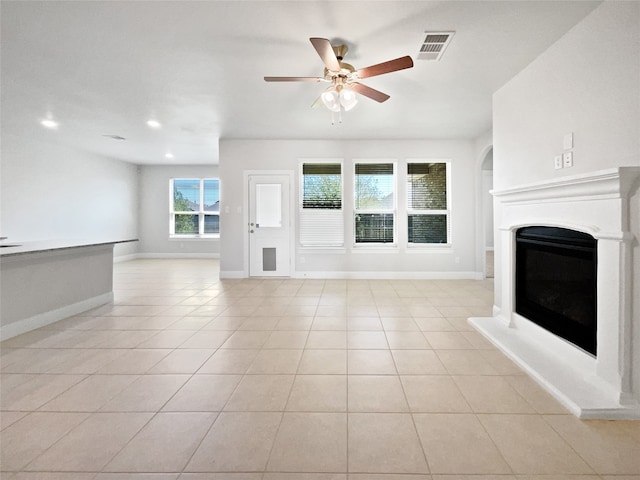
[[571, 317], [556, 282]]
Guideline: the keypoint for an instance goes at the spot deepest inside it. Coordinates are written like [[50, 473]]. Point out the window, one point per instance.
[[375, 201], [195, 207], [427, 203], [321, 217]]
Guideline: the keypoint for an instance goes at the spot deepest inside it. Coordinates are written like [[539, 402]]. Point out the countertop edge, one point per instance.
[[25, 248]]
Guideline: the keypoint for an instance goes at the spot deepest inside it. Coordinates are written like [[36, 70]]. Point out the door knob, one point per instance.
[[251, 231]]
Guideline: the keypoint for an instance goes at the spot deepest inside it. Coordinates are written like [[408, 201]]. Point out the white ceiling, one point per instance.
[[101, 68]]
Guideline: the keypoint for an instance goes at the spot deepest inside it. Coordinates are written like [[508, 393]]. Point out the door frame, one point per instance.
[[246, 174], [481, 254]]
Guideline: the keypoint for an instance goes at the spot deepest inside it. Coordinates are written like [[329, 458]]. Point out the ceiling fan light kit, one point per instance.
[[344, 77]]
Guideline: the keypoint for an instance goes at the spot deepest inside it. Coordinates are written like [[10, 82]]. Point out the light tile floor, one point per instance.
[[186, 376]]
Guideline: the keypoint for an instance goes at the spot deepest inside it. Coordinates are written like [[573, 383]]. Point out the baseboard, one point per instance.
[[327, 275], [488, 249], [46, 318], [233, 274], [389, 275], [136, 256], [125, 258]]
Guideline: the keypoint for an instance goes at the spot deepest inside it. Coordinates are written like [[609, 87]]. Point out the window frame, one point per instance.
[[202, 213], [412, 211], [393, 211], [309, 211]]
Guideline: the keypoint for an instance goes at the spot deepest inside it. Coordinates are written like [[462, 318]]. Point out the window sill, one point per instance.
[[320, 250], [430, 248], [192, 238], [376, 248]]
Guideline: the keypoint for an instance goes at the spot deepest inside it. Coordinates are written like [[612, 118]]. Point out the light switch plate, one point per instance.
[[568, 141], [567, 159], [557, 162]]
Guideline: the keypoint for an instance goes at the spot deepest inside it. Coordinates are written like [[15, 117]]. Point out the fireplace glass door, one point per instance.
[[556, 281]]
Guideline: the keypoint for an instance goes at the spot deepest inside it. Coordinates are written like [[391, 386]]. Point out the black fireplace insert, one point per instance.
[[556, 282]]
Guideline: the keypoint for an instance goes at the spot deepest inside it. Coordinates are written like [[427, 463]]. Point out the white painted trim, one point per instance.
[[327, 275], [388, 275], [586, 396], [194, 238], [610, 183], [322, 250], [37, 321], [125, 258], [488, 249], [233, 274], [177, 255]]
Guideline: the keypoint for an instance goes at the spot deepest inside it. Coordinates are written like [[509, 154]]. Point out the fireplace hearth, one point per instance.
[[556, 282]]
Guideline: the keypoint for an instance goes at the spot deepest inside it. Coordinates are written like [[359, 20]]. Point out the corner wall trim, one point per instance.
[[43, 319]]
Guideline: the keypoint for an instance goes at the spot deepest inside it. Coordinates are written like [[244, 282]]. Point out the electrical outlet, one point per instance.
[[557, 162], [567, 159]]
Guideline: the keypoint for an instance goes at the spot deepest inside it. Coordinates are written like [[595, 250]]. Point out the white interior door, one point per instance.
[[269, 226]]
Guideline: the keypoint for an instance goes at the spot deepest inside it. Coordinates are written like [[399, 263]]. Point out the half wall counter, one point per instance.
[[43, 282]]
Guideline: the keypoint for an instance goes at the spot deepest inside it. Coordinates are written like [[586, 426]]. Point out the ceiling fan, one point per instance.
[[344, 77]]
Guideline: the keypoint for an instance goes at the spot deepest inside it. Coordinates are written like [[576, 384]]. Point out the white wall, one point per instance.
[[587, 83], [53, 192], [236, 156], [487, 208], [154, 212]]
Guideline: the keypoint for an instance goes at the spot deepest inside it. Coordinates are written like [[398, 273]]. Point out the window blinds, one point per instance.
[[427, 186], [321, 215], [322, 185], [374, 187]]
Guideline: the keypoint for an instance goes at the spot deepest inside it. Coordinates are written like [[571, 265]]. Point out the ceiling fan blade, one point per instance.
[[324, 49], [372, 93], [294, 79], [317, 103], [386, 67]]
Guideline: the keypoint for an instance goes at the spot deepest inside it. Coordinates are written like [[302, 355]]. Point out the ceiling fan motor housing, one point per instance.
[[346, 69]]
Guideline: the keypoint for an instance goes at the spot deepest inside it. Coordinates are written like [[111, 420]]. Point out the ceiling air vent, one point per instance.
[[434, 45]]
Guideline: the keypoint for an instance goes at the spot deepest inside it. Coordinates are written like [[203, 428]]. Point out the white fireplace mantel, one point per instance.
[[598, 203]]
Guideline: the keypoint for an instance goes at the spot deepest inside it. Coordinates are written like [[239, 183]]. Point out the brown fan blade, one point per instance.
[[372, 93], [293, 79], [386, 67], [328, 56]]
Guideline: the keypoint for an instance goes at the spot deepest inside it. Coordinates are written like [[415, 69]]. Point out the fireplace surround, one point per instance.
[[602, 205]]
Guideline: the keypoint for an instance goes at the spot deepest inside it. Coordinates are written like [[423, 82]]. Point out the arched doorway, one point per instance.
[[486, 213]]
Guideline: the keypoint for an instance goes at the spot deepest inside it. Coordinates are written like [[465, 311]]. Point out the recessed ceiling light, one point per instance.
[[48, 123], [153, 123], [168, 155]]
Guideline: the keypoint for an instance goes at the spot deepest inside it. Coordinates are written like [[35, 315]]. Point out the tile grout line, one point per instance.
[[413, 421]]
